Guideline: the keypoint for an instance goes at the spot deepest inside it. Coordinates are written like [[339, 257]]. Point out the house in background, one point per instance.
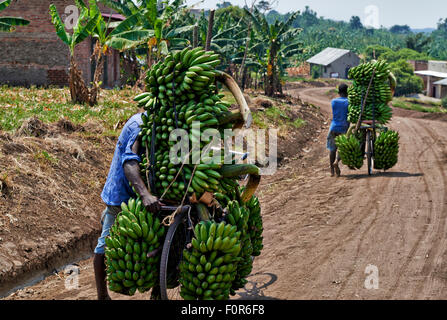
[[435, 78], [334, 63], [34, 55], [441, 88]]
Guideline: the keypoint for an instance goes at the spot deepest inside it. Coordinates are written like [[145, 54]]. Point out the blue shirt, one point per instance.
[[117, 189], [340, 122]]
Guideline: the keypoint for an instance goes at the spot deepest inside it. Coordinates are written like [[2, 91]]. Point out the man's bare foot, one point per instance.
[[337, 170]]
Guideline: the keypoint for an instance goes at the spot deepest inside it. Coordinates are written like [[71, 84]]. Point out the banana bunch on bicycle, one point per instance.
[[369, 96]]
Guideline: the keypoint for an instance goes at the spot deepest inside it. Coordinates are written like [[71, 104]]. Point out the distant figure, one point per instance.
[[339, 125]]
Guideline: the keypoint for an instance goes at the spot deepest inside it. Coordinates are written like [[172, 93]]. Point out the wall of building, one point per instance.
[[439, 66], [341, 65], [419, 65], [34, 54]]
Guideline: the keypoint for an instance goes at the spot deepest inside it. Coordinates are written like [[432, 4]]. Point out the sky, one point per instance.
[[416, 14]]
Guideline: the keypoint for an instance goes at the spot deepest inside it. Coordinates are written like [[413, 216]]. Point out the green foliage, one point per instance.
[[444, 103], [407, 82], [7, 24], [83, 28]]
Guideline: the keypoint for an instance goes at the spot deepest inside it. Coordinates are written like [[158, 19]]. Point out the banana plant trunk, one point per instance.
[[78, 89], [271, 72], [94, 91]]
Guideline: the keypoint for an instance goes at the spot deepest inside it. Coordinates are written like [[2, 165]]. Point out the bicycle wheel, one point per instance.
[[171, 256], [369, 151]]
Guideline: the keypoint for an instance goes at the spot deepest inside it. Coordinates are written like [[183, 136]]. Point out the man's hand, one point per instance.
[[151, 203]]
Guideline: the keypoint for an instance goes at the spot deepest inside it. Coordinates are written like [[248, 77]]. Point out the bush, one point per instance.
[[444, 102], [407, 82]]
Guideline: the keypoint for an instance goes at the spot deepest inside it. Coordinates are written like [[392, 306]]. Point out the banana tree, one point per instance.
[[110, 35], [154, 29], [277, 35], [7, 24], [85, 25]]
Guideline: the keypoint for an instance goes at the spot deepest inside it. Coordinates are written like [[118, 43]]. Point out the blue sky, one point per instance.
[[416, 14]]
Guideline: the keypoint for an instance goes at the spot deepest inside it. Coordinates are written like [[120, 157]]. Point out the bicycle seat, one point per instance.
[[370, 122]]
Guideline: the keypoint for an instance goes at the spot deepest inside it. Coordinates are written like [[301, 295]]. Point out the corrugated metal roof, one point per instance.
[[442, 82], [327, 56], [431, 73]]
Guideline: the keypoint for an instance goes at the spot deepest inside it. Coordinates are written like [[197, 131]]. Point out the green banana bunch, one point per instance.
[[378, 94], [382, 113], [350, 151], [363, 72], [386, 150], [134, 235], [255, 226], [209, 268], [239, 216], [180, 91]]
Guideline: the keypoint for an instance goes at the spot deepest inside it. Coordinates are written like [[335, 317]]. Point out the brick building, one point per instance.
[[34, 55]]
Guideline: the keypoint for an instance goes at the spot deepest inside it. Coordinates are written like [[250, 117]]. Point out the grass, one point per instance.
[[50, 105], [418, 105], [277, 117]]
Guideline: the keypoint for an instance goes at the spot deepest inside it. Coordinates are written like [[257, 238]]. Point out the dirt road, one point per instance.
[[355, 237]]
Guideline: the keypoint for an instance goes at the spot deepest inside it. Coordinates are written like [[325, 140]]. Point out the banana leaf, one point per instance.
[[60, 28], [4, 4]]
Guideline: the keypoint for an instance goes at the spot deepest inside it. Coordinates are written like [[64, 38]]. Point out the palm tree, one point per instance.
[[7, 24], [280, 36]]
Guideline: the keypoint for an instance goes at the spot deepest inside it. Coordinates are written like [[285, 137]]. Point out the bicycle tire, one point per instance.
[[164, 263]]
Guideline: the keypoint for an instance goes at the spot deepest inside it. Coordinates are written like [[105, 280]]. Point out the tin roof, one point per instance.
[[327, 56], [442, 82], [431, 73]]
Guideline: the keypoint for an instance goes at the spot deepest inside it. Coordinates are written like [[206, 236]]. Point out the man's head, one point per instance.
[[343, 90]]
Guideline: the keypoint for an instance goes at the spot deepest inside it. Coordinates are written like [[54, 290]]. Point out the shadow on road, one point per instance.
[[257, 282], [393, 174]]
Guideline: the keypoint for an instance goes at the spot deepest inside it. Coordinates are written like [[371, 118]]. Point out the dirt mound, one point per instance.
[[263, 103], [32, 127], [50, 185]]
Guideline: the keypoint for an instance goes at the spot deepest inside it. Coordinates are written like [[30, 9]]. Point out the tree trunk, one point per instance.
[[78, 89], [195, 37], [94, 90], [244, 79], [209, 34], [271, 71]]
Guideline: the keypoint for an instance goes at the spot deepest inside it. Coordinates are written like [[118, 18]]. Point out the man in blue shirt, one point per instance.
[[123, 170], [339, 125]]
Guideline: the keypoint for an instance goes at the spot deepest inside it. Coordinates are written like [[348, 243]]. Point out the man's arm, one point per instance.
[[132, 173]]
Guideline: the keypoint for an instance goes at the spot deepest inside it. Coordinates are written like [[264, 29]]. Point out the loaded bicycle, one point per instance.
[[201, 244], [373, 88]]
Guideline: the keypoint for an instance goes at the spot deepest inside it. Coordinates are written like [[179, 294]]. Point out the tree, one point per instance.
[[400, 29], [355, 23], [418, 42], [407, 82], [278, 36], [83, 29], [7, 24], [224, 4]]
